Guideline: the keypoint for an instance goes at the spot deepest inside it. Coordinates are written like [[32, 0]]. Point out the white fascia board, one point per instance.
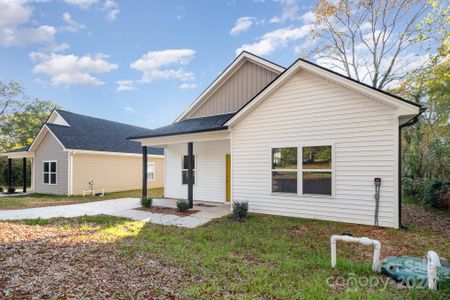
[[56, 118], [76, 151], [184, 138], [41, 135], [16, 155], [402, 107], [228, 72]]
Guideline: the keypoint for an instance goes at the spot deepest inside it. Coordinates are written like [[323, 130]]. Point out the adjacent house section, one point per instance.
[[75, 154]]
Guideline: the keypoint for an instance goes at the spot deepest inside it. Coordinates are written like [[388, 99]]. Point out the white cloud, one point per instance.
[[112, 9], [242, 24], [187, 86], [125, 85], [275, 40], [14, 15], [308, 17], [71, 69], [84, 4], [290, 10], [165, 64], [72, 25], [128, 109]]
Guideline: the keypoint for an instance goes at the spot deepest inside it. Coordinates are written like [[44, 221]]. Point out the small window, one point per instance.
[[317, 170], [284, 170], [49, 172], [184, 171], [151, 171]]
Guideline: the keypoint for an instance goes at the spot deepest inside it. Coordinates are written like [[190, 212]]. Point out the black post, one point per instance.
[[9, 173], [190, 175], [144, 171], [24, 174]]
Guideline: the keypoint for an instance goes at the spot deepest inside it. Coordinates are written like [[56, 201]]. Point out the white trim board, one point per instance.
[[402, 107], [77, 151]]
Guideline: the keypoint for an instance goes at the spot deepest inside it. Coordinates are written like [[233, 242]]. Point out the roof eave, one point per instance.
[[404, 106]]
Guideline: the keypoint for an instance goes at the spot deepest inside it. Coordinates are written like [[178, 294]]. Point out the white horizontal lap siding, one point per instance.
[[210, 172], [311, 110], [50, 150]]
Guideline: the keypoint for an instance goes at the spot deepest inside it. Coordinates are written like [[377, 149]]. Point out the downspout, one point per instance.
[[406, 124]]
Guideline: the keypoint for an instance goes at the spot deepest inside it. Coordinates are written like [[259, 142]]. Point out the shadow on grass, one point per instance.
[[265, 257]]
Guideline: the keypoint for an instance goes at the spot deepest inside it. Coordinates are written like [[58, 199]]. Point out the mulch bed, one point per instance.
[[168, 211], [47, 262]]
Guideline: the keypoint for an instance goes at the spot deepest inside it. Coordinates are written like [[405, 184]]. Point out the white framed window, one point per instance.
[[284, 170], [303, 170], [49, 172], [184, 169], [151, 171], [317, 170]]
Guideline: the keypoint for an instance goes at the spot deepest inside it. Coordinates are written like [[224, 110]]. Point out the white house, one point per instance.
[[302, 141]]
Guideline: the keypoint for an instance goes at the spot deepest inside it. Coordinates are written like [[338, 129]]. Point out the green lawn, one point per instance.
[[267, 257], [38, 200]]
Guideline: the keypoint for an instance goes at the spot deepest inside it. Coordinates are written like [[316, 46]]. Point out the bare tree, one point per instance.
[[365, 39]]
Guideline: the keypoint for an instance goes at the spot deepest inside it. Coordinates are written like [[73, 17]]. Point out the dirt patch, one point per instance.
[[47, 262], [417, 216], [298, 231], [168, 211]]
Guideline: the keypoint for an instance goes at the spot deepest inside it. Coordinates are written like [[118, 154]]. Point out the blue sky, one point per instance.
[[104, 58]]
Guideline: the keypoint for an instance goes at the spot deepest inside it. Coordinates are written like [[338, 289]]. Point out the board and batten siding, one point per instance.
[[210, 171], [112, 172], [309, 110], [242, 86], [51, 150]]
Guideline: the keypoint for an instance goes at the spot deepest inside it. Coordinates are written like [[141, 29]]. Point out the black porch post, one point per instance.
[[9, 172], [24, 174], [144, 171], [190, 175]]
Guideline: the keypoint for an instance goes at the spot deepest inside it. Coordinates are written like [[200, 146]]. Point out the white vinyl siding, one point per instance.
[[210, 172], [51, 150], [308, 110]]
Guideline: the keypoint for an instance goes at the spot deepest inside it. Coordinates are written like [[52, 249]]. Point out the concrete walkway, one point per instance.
[[124, 207]]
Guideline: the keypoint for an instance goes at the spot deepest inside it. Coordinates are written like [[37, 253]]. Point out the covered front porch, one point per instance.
[[197, 163], [23, 155]]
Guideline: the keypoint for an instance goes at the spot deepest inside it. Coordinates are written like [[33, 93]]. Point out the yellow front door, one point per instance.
[[228, 178]]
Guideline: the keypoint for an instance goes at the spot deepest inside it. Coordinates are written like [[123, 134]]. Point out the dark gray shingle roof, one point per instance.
[[22, 149], [202, 124], [89, 133]]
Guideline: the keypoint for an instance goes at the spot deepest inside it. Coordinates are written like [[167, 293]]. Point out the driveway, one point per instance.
[[124, 207]]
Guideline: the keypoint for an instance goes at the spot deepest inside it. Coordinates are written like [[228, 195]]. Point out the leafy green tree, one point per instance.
[[20, 121], [20, 128]]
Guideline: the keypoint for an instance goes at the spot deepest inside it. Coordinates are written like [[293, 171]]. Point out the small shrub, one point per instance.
[[240, 210], [11, 190], [182, 205], [409, 186], [1, 189], [432, 192], [146, 202]]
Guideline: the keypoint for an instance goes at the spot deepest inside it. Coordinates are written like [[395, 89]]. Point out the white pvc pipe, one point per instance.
[[433, 262], [363, 241]]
